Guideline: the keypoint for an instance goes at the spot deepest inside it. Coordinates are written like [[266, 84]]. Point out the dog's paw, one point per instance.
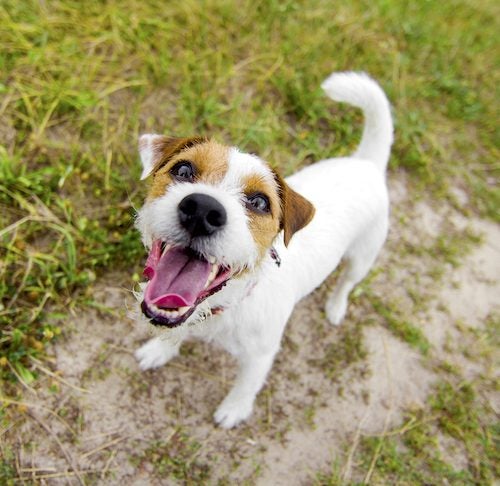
[[155, 353], [335, 311], [232, 412]]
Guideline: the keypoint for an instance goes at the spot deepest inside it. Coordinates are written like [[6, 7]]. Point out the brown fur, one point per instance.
[[209, 158], [297, 211], [264, 227], [289, 210]]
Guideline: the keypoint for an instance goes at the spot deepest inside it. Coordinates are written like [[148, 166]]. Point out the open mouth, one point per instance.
[[179, 279]]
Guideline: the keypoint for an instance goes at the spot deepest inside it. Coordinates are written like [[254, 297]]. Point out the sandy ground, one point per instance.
[[132, 427]]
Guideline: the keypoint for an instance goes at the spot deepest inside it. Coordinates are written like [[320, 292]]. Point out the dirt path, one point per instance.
[[328, 387]]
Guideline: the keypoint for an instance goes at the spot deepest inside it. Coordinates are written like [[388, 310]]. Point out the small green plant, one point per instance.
[[80, 80], [418, 452], [176, 459], [399, 325], [348, 350], [8, 472]]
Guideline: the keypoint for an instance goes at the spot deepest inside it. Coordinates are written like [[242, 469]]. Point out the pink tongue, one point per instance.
[[176, 278]]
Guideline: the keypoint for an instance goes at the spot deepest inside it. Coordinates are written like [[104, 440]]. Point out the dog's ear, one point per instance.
[[296, 211], [156, 150]]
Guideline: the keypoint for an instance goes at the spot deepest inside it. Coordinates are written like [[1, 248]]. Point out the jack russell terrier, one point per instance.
[[233, 246]]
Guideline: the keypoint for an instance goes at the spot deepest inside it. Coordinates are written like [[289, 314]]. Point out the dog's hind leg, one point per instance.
[[156, 352], [359, 260]]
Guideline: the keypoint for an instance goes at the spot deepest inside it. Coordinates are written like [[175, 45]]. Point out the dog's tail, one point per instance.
[[360, 90]]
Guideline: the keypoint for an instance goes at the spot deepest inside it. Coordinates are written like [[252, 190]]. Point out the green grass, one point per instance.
[[348, 350], [7, 466], [175, 459], [399, 325], [80, 80], [418, 451], [78, 83]]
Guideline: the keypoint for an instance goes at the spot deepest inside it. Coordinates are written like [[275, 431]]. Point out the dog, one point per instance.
[[233, 246]]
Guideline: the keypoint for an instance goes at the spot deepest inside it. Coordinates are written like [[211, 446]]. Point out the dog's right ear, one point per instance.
[[156, 150]]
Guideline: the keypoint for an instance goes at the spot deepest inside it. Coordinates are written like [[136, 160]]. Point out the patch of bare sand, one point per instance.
[[308, 416]]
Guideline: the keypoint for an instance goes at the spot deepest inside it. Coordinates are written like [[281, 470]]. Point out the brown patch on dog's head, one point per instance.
[[296, 211], [263, 226], [211, 160], [208, 158], [156, 150], [167, 147]]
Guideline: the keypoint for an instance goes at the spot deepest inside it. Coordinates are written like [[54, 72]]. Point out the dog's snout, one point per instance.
[[201, 214]]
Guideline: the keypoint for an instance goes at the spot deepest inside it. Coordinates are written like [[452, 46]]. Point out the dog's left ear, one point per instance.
[[156, 150], [296, 211]]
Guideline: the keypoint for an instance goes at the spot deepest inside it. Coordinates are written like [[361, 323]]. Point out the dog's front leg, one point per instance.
[[237, 406], [156, 352]]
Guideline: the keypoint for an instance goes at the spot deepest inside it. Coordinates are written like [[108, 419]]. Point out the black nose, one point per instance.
[[201, 215]]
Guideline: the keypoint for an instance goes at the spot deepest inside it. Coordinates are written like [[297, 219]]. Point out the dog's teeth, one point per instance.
[[213, 274], [182, 310], [170, 313], [211, 259], [215, 269]]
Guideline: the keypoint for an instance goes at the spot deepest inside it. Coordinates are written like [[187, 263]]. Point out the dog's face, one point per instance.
[[211, 214]]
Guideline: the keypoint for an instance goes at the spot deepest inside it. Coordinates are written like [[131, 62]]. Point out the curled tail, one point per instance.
[[360, 90]]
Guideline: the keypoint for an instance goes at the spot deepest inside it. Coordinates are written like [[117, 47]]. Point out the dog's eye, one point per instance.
[[183, 171], [258, 203]]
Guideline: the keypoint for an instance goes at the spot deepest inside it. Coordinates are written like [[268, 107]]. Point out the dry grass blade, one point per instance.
[[80, 80], [39, 366], [66, 453], [57, 475], [9, 401], [346, 471], [388, 416], [103, 446], [21, 380], [20, 222]]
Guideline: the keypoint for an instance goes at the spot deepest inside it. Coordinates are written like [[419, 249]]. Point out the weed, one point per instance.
[[8, 472], [332, 478], [417, 452], [399, 325], [348, 350], [74, 103], [176, 459], [80, 80]]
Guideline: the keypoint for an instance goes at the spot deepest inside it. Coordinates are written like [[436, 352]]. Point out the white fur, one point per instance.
[[351, 222], [147, 153], [233, 246]]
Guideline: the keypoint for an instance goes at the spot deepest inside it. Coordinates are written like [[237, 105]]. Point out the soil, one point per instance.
[[328, 387]]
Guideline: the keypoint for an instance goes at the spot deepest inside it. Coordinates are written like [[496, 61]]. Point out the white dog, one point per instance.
[[233, 246]]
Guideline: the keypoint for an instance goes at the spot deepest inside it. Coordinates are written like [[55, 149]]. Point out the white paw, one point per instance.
[[156, 352], [335, 311], [232, 412]]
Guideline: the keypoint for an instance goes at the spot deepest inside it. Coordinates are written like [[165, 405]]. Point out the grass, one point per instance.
[[7, 466], [72, 106], [420, 450], [175, 459], [348, 350], [399, 326], [80, 80]]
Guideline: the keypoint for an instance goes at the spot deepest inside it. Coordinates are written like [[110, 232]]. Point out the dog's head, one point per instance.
[[211, 214]]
